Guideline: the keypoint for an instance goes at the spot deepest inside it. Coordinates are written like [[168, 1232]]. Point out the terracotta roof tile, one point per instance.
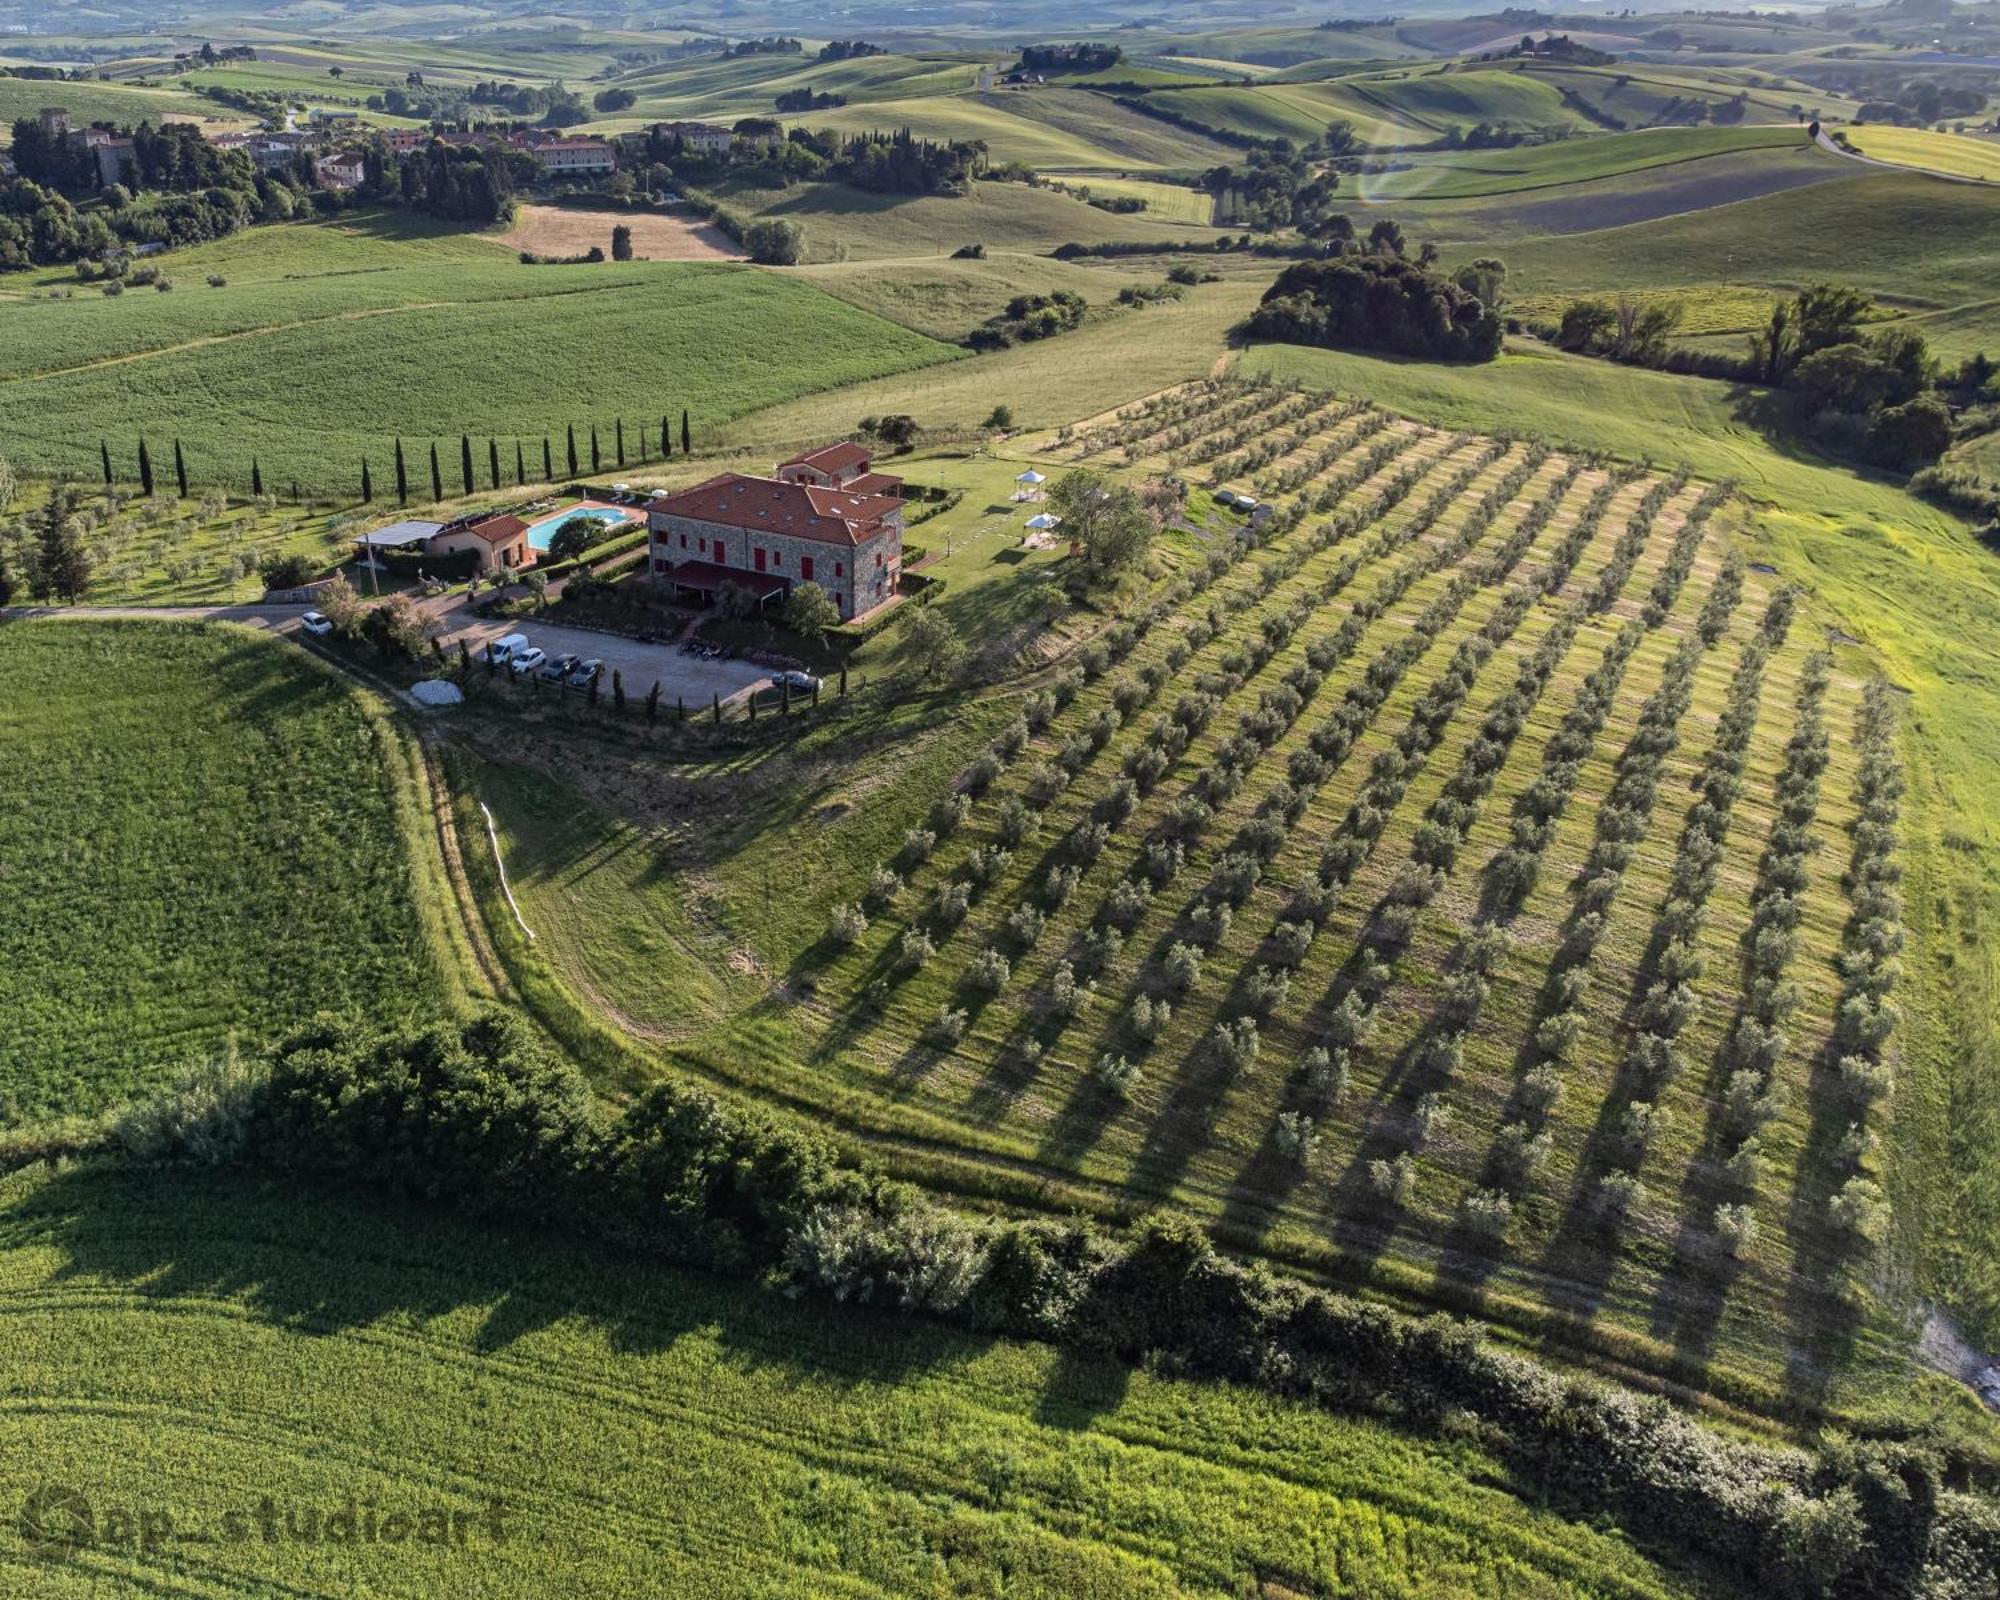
[[767, 505], [831, 457]]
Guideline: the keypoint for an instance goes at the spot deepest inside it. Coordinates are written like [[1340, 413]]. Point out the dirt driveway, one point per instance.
[[560, 231]]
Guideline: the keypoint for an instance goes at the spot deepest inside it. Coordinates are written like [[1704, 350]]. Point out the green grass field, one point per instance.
[[311, 370], [1919, 244], [852, 224], [1054, 128], [1108, 361], [1468, 173], [191, 1346], [1398, 106], [94, 102], [209, 837], [945, 298], [1165, 202], [1932, 152]]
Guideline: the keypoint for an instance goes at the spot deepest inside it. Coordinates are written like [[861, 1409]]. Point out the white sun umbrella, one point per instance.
[[1041, 522], [1031, 476]]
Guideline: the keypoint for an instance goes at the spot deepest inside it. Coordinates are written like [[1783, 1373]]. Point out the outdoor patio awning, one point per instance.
[[705, 577], [398, 535]]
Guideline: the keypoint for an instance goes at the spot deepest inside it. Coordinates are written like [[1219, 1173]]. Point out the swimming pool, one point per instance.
[[541, 533]]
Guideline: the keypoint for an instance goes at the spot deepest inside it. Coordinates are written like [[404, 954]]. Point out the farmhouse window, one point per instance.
[[839, 569], [806, 568]]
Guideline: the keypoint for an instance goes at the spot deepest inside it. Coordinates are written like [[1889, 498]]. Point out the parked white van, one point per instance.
[[502, 651]]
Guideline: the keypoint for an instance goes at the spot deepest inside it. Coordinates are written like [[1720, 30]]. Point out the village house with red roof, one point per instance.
[[824, 517], [499, 537]]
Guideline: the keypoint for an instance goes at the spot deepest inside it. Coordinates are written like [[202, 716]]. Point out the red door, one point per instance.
[[806, 568], [760, 560]]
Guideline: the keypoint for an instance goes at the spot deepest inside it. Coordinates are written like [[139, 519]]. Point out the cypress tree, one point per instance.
[[572, 449], [596, 461], [686, 445], [256, 479], [180, 469], [653, 703], [104, 450], [437, 477], [402, 476], [666, 439], [465, 461], [493, 461], [621, 441], [618, 691], [145, 468], [548, 466], [520, 466], [367, 483]]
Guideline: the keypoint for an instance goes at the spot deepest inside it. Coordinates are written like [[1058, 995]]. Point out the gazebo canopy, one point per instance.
[[1042, 521], [1031, 476]]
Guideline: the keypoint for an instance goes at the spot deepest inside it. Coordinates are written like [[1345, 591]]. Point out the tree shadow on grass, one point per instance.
[[325, 1262]]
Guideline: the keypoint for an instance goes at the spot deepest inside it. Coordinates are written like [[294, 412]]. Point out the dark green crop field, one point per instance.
[[208, 836], [195, 1347]]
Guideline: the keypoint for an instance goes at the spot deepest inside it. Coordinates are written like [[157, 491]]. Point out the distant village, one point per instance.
[[338, 142]]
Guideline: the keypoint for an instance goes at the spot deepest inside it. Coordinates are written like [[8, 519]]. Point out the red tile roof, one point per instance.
[[707, 577], [831, 458], [766, 505], [496, 529], [873, 483]]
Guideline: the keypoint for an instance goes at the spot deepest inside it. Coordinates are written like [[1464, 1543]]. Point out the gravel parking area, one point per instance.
[[643, 665]]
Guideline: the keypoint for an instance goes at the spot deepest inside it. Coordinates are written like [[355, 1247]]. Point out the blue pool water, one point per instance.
[[540, 533]]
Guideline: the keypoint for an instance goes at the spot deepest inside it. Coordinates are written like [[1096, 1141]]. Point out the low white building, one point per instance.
[[558, 156]]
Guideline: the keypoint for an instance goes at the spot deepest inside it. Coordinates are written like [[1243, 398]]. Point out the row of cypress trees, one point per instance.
[[571, 457]]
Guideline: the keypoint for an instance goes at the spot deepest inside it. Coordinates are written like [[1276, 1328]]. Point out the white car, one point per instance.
[[316, 623], [501, 651], [525, 661]]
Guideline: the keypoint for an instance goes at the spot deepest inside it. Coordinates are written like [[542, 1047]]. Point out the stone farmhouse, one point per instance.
[[825, 517]]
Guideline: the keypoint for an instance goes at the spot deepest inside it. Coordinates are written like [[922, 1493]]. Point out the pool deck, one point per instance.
[[555, 519]]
